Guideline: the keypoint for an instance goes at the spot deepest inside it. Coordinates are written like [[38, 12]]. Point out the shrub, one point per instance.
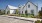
[[26, 13], [22, 15], [41, 21], [16, 11], [40, 14], [32, 14], [38, 21]]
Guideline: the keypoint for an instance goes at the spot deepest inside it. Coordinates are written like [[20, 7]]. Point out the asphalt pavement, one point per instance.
[[5, 19]]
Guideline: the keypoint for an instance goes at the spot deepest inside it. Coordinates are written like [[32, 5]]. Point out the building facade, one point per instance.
[[11, 9], [30, 7]]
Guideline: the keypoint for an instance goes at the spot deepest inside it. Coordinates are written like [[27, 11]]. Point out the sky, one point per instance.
[[4, 3]]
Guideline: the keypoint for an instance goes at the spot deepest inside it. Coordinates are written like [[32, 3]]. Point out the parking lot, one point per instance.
[[4, 19]]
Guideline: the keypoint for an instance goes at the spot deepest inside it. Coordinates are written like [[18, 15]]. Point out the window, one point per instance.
[[26, 12], [32, 11], [22, 12], [8, 12], [28, 6], [19, 7]]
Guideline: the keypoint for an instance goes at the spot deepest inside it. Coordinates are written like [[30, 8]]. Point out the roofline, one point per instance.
[[12, 9], [30, 2], [33, 3], [6, 7]]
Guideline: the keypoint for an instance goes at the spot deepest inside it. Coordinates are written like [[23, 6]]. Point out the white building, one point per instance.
[[11, 9], [29, 8]]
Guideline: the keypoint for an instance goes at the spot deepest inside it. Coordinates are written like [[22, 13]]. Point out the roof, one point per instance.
[[12, 7], [30, 2]]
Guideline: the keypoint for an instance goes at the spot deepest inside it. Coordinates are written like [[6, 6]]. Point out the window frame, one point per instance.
[[32, 11], [29, 6]]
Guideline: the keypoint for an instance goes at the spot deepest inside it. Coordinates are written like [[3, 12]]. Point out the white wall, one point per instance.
[[32, 7], [12, 11], [21, 9], [7, 9]]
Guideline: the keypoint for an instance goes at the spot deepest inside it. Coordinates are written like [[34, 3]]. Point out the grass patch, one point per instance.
[[27, 16], [23, 15]]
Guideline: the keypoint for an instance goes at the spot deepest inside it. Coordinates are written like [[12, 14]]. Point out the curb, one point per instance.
[[22, 18]]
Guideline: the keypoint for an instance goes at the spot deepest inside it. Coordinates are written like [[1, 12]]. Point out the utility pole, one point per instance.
[[41, 8]]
